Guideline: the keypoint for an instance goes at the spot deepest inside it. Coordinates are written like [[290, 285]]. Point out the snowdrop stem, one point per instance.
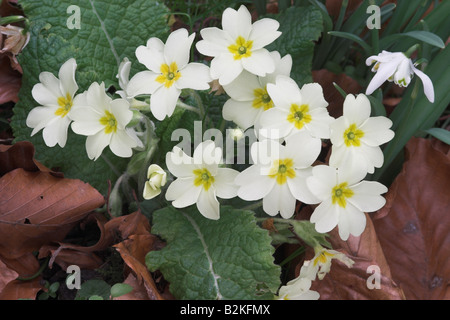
[[410, 51]]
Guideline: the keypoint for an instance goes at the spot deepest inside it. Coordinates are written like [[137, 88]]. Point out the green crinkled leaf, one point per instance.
[[229, 258], [109, 31], [300, 27]]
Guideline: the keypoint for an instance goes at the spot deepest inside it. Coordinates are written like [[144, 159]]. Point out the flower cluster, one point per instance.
[[289, 121]]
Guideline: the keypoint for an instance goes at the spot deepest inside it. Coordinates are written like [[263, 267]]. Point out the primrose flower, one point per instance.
[[239, 45], [397, 67], [295, 110], [298, 289], [200, 179], [344, 199], [157, 178], [249, 96], [104, 122], [56, 96], [320, 264], [279, 174], [169, 71], [356, 137]]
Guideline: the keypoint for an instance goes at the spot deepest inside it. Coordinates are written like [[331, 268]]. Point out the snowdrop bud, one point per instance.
[[157, 178]]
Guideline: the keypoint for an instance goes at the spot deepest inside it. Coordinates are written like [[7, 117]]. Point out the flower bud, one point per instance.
[[157, 178]]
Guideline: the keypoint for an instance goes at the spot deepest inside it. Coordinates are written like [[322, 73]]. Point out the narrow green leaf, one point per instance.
[[439, 133], [425, 36], [353, 37]]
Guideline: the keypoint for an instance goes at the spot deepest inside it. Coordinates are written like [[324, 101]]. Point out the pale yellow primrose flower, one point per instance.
[[320, 264], [397, 67], [295, 110], [169, 71], [279, 174], [157, 178], [248, 93], [239, 45], [57, 99], [356, 137], [343, 199], [200, 179], [298, 289], [104, 120]]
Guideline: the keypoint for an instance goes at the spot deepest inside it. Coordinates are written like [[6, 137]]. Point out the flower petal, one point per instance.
[[243, 87], [312, 95], [299, 187], [180, 164], [279, 199], [351, 221], [215, 42], [178, 47], [67, 77], [225, 68], [303, 149], [237, 22], [274, 124], [121, 144], [264, 31], [163, 102], [367, 196], [325, 216], [240, 112], [376, 131], [208, 205], [194, 76], [44, 96], [356, 109], [322, 181], [319, 126], [96, 143], [55, 132], [151, 55], [337, 129], [52, 83], [384, 72], [427, 84], [39, 117], [259, 63], [86, 121], [253, 185], [183, 192], [143, 82], [224, 183]]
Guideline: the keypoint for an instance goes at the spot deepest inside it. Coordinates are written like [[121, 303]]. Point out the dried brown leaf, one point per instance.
[[414, 226]]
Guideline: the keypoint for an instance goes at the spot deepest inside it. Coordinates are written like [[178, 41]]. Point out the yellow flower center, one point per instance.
[[282, 169], [169, 74], [352, 136], [109, 122], [65, 104], [299, 115], [323, 257], [241, 48], [203, 177], [262, 99], [340, 193]]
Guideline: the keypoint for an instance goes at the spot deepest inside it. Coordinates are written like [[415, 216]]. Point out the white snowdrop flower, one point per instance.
[[239, 45], [123, 77], [56, 96], [104, 120], [200, 180], [157, 178], [295, 110], [356, 137], [343, 199], [169, 71], [298, 289], [397, 67], [278, 175], [248, 93]]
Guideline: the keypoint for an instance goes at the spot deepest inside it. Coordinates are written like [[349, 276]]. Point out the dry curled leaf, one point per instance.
[[414, 226]]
